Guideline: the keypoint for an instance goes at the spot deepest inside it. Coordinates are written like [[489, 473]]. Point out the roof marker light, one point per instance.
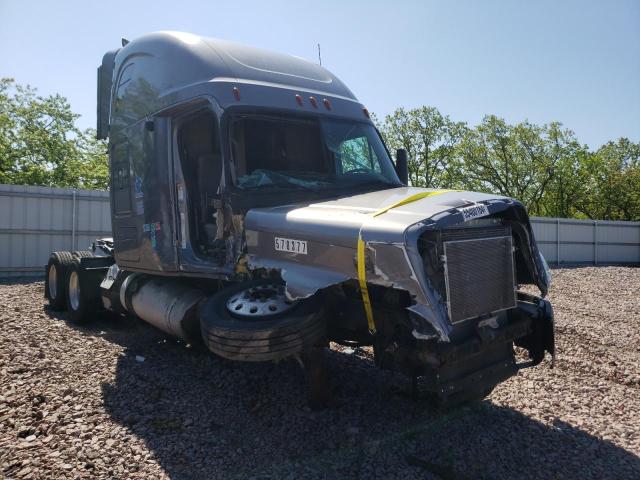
[[236, 93], [299, 100], [327, 103], [314, 102], [366, 112]]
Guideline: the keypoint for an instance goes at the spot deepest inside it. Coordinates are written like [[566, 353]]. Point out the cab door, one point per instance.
[[198, 167]]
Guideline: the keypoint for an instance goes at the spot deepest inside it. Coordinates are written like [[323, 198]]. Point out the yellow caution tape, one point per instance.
[[360, 259], [364, 290]]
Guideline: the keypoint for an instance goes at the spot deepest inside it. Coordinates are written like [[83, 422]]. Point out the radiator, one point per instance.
[[479, 275]]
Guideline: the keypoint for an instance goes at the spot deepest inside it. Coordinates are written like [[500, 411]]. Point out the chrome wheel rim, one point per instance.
[[74, 290], [53, 281], [260, 301]]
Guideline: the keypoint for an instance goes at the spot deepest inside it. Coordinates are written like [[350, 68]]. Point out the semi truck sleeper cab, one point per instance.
[[256, 209]]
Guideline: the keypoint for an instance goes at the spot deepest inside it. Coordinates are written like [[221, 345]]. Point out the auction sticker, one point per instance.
[[474, 211], [290, 245]]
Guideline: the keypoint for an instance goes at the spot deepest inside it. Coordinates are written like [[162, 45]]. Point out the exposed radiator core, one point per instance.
[[479, 276]]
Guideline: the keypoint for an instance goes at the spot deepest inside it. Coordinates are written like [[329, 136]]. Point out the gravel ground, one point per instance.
[[82, 402]]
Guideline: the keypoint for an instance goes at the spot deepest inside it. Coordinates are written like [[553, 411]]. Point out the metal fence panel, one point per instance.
[[35, 221], [567, 240]]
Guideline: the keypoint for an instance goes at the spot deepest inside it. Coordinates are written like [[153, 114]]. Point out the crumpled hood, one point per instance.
[[339, 221], [330, 229]]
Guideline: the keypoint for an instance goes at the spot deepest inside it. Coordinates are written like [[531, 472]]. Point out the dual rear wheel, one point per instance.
[[55, 288], [72, 287]]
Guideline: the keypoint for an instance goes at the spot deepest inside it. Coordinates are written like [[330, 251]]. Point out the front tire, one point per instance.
[[265, 328]]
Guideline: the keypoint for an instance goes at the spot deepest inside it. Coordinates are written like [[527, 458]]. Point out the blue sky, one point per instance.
[[577, 62]]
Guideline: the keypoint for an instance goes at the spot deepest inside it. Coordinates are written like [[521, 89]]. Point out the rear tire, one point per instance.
[[83, 254], [83, 293], [260, 338], [55, 279]]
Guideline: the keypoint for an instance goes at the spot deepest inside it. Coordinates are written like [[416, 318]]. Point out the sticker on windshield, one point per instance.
[[474, 211], [290, 245]]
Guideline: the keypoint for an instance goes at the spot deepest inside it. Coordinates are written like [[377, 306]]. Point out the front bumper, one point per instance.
[[474, 366]]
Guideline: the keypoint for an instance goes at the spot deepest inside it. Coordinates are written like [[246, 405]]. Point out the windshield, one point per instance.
[[271, 152]]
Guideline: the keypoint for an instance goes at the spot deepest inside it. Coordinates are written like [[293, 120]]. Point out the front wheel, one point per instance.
[[255, 321]]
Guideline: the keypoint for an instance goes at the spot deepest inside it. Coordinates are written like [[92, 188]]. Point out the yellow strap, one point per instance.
[[410, 199], [364, 290], [360, 260]]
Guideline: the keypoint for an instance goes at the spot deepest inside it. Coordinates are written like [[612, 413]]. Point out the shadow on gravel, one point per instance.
[[204, 417]]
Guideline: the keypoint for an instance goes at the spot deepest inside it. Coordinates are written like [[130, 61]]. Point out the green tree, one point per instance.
[[612, 182], [567, 185], [41, 145], [508, 160], [545, 166], [430, 139]]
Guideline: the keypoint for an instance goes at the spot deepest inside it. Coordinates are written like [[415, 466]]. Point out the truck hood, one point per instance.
[[329, 231], [339, 221]]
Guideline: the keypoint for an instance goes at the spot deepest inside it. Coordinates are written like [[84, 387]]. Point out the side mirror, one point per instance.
[[402, 167]]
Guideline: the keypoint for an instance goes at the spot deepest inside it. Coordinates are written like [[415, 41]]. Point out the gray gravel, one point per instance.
[[118, 399]]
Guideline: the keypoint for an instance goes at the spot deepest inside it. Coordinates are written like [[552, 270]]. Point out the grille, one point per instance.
[[479, 276]]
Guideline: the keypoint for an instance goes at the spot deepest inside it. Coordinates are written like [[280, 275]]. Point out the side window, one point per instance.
[[121, 178], [357, 154]]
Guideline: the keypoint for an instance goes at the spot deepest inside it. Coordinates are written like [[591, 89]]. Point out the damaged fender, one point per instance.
[[330, 231]]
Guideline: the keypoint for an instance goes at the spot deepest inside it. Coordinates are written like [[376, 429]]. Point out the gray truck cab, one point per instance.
[[216, 132], [255, 207]]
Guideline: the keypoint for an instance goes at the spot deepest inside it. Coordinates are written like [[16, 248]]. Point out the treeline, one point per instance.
[[544, 166], [40, 143]]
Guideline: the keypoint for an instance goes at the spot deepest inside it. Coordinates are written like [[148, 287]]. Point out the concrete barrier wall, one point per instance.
[[35, 221]]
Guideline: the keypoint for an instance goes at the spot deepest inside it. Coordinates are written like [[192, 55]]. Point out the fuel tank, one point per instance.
[[166, 304]]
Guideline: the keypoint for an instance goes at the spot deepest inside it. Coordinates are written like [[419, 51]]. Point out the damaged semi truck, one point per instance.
[[256, 209]]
